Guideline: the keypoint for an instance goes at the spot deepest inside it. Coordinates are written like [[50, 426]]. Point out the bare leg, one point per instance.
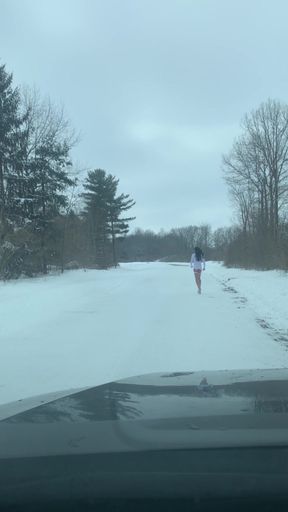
[[198, 280]]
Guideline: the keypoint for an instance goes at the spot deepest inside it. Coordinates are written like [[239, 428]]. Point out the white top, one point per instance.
[[195, 264]]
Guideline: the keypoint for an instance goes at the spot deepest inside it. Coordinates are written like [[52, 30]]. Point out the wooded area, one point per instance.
[[39, 227], [47, 222], [256, 173]]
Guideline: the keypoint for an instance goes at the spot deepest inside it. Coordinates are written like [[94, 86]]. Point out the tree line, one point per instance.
[[47, 223], [177, 244], [256, 173], [38, 189]]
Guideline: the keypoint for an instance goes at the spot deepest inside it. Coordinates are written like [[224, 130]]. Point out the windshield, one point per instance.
[[143, 190]]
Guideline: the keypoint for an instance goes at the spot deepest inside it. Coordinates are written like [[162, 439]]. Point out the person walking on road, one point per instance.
[[198, 264]]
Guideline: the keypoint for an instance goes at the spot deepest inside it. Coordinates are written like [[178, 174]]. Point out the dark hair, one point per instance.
[[198, 253]]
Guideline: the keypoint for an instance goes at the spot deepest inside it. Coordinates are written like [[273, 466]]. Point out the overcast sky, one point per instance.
[[156, 88]]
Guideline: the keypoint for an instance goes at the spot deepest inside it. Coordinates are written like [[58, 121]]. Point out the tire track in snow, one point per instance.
[[278, 335]]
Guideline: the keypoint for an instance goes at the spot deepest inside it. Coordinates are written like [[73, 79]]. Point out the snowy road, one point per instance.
[[87, 328]]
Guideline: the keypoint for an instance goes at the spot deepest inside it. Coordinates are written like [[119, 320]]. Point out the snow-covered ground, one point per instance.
[[89, 327]]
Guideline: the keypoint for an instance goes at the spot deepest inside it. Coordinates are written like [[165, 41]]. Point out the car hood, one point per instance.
[[169, 410]]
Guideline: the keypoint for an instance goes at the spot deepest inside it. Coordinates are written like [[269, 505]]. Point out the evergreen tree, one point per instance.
[[119, 227], [10, 122], [99, 194], [102, 211], [47, 149]]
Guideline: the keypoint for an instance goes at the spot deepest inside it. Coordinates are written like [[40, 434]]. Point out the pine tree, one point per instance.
[[35, 143], [103, 212], [119, 227], [47, 161], [10, 122], [100, 191]]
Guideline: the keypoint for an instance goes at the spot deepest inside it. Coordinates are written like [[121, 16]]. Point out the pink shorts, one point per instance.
[[197, 270]]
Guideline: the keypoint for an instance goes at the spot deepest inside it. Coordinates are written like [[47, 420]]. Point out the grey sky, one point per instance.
[[157, 88]]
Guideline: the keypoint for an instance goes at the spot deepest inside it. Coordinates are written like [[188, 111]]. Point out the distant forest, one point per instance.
[[47, 223]]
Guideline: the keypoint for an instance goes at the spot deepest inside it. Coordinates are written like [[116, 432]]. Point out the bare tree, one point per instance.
[[256, 169]]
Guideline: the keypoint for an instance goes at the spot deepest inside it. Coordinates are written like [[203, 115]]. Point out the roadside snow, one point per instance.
[[87, 328], [266, 292]]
